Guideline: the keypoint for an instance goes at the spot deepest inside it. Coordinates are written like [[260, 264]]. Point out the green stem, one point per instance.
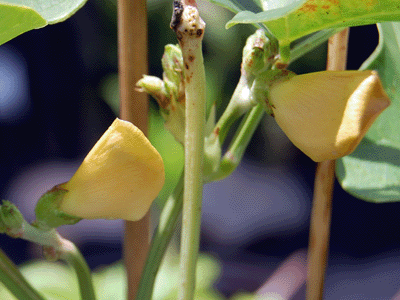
[[73, 256], [312, 42], [13, 280], [162, 236], [238, 106], [189, 28], [238, 146], [66, 251]]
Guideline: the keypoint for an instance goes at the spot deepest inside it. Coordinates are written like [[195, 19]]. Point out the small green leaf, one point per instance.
[[372, 171], [300, 18], [19, 16]]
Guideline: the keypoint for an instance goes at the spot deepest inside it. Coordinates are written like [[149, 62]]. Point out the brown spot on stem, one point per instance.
[[187, 66], [191, 58], [216, 131], [199, 32]]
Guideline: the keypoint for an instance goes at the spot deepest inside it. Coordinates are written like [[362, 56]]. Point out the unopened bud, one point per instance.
[[12, 219], [154, 86], [172, 63], [257, 53]]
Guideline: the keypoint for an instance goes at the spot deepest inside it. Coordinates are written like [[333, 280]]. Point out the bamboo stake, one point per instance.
[[318, 248], [132, 50]]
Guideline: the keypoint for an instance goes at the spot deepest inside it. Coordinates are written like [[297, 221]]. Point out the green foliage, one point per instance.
[[291, 20], [58, 282], [19, 16], [372, 172], [54, 281]]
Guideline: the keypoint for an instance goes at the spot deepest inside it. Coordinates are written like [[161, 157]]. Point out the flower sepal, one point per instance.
[[48, 212]]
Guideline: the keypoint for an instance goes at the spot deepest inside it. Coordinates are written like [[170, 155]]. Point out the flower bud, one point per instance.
[[257, 53], [3, 227], [118, 179], [169, 92], [172, 63], [154, 86], [326, 114], [12, 219]]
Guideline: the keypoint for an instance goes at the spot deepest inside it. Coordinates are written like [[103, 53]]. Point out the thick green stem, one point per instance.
[[13, 280], [162, 236], [189, 28]]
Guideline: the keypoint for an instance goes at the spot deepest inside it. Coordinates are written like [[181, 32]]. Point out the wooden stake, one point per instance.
[[132, 50], [318, 248]]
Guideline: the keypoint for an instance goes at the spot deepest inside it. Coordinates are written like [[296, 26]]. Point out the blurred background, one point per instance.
[[57, 89]]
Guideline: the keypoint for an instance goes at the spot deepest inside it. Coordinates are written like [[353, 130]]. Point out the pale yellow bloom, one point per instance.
[[326, 114], [118, 179]]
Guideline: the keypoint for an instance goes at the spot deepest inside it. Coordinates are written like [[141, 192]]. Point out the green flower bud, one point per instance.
[[169, 92], [172, 63], [3, 227], [12, 219], [257, 53], [154, 86]]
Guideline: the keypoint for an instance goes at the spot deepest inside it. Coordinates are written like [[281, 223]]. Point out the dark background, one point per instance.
[[63, 68]]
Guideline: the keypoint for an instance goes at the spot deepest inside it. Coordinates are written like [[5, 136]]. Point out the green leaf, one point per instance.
[[19, 16], [298, 18], [53, 280], [231, 5], [15, 20], [372, 171]]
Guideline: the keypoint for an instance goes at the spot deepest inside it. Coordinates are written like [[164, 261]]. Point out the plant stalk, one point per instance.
[[161, 238], [59, 248], [73, 256], [240, 141], [14, 281], [318, 248], [132, 60], [189, 28]]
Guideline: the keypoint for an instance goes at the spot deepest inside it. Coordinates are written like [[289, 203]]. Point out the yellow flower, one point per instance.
[[326, 114], [118, 179]]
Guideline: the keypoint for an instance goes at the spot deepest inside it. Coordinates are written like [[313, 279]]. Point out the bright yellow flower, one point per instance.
[[118, 179]]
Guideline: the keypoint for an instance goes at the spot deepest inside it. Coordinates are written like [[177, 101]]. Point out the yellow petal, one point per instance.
[[326, 114], [118, 179]]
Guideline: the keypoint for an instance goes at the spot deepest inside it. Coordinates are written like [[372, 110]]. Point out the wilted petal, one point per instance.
[[118, 179]]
